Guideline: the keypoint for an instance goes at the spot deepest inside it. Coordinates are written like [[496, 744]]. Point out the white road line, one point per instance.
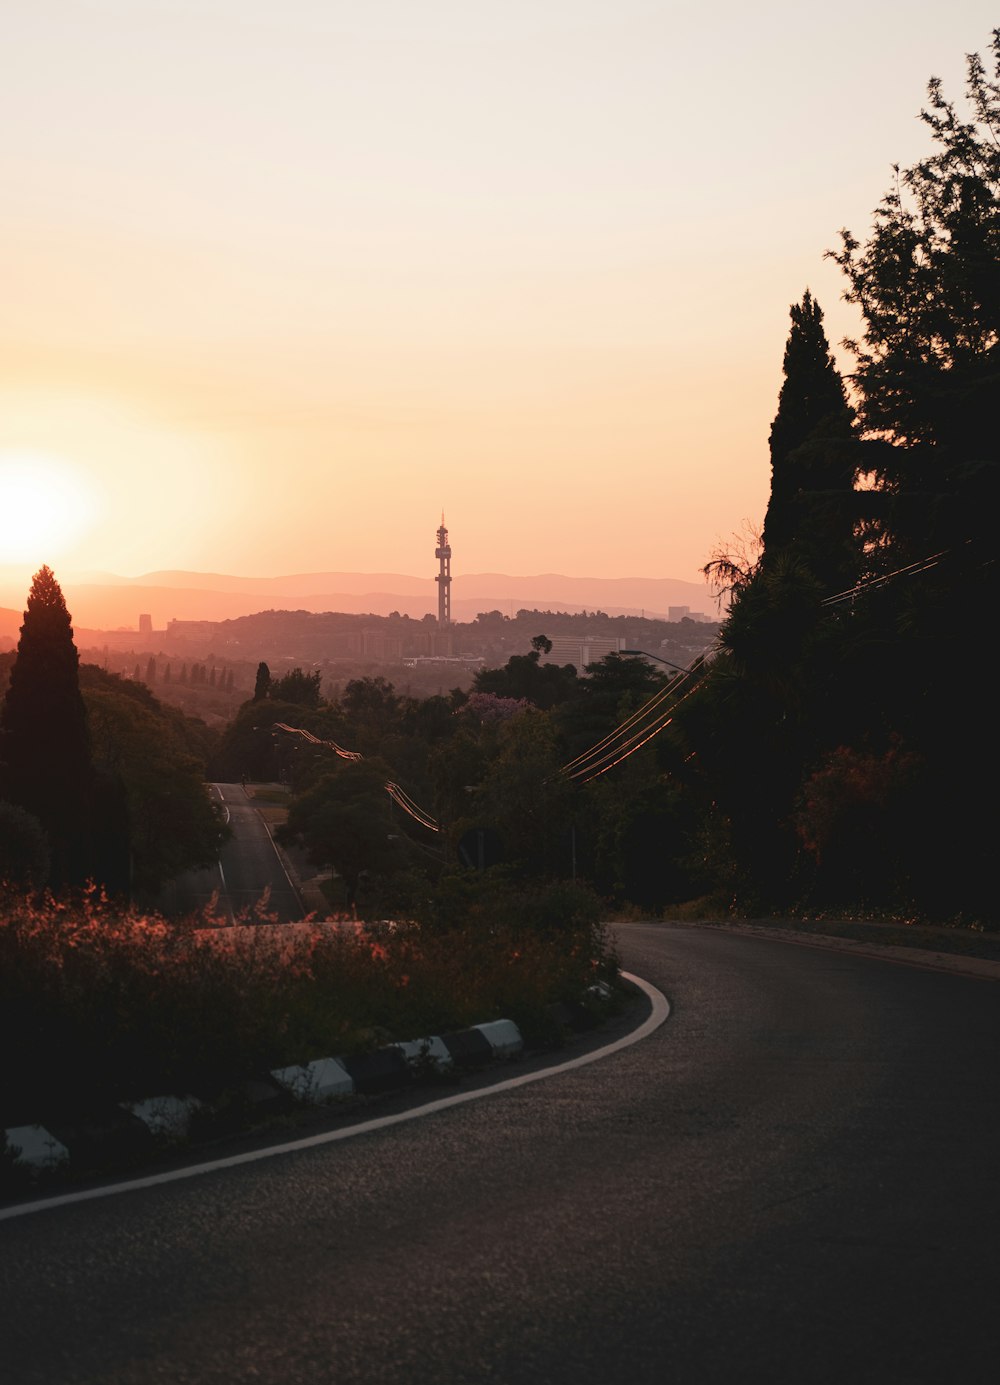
[[660, 1012]]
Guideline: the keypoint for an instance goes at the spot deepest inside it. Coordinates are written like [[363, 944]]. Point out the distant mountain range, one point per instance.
[[104, 601]]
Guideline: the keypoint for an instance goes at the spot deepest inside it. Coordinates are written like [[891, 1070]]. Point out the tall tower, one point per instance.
[[443, 579]]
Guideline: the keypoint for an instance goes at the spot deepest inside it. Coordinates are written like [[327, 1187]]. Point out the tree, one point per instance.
[[170, 822], [296, 686], [525, 676], [343, 821], [44, 743], [927, 282], [24, 848], [525, 800], [151, 671], [810, 511], [262, 685]]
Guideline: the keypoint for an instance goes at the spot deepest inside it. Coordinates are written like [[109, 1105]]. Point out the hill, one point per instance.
[[103, 601]]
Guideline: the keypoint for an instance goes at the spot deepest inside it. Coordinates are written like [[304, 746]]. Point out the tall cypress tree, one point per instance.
[[812, 461], [44, 745]]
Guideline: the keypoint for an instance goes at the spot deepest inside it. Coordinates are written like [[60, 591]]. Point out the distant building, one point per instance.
[[145, 625], [675, 614], [581, 650], [381, 647], [183, 630]]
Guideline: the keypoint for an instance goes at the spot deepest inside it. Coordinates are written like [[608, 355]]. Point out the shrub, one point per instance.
[[99, 1001]]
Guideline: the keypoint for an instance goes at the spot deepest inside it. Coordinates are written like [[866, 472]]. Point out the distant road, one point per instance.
[[793, 1180], [248, 865]]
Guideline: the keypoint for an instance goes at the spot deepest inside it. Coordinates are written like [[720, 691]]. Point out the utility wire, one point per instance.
[[870, 583], [393, 790], [618, 746]]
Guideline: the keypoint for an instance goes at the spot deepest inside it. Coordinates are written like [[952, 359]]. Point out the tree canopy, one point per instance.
[[927, 284]]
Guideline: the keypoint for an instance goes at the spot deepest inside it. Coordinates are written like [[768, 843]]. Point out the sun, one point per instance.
[[46, 504]]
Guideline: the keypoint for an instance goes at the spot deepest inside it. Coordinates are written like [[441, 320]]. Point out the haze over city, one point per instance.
[[281, 283]]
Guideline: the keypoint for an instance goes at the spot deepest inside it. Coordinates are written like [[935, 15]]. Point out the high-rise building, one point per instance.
[[443, 579]]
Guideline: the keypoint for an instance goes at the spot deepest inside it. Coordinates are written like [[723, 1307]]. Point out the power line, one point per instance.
[[645, 723], [618, 746], [397, 794]]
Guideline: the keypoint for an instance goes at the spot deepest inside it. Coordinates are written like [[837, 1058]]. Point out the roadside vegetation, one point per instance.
[[103, 1003]]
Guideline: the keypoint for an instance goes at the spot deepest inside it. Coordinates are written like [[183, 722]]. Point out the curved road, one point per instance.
[[795, 1179], [248, 866]]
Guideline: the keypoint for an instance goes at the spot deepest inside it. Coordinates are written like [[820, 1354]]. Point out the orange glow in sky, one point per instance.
[[281, 281]]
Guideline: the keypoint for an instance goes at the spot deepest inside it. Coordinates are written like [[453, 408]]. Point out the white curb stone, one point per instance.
[[316, 1081], [165, 1115], [38, 1146], [503, 1036]]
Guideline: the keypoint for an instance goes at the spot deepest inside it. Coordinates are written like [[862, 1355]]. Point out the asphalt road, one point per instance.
[[795, 1179], [248, 866]]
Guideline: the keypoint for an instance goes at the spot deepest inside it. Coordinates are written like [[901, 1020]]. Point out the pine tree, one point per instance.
[[262, 686], [151, 671], [44, 745]]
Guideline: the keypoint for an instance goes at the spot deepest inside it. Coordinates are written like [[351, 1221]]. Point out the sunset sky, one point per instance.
[[283, 280]]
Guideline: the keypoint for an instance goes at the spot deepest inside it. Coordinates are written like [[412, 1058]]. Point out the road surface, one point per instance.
[[794, 1180], [248, 866]]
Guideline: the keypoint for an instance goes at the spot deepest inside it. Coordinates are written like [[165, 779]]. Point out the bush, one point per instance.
[[99, 1001]]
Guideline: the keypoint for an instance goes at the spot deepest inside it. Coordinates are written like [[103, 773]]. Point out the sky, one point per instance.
[[283, 281]]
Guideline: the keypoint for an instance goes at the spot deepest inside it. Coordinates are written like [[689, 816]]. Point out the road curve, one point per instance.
[[794, 1179]]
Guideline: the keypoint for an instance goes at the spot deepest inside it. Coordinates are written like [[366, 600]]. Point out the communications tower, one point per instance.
[[443, 579]]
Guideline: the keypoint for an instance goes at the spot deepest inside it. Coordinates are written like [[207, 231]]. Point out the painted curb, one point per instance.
[[129, 1129]]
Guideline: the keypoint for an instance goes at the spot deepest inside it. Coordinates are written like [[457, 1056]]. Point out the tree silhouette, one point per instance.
[[812, 460], [45, 747], [296, 686], [927, 282]]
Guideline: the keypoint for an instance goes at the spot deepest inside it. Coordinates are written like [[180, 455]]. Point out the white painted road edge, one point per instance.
[[659, 1013]]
